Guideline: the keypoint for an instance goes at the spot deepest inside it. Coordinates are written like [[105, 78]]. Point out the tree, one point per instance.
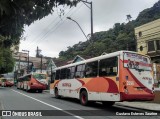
[[120, 37], [15, 14], [7, 61], [128, 17]]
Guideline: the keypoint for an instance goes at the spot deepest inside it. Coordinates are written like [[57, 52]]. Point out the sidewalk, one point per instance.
[[47, 91], [141, 105]]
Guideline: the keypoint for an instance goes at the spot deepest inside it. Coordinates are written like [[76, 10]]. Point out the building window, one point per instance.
[[158, 44], [141, 48], [140, 34], [151, 46]]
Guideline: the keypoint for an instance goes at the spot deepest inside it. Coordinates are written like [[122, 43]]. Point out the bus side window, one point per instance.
[[53, 77], [80, 71], [108, 67], [91, 69], [57, 75], [72, 73], [68, 73], [63, 73]]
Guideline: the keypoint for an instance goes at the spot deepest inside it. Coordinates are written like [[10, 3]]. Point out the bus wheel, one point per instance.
[[108, 103], [27, 89], [84, 98], [56, 93], [40, 91]]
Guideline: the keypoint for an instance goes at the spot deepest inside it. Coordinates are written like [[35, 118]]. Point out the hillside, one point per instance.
[[120, 37]]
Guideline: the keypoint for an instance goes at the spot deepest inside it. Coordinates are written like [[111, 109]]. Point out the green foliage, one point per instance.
[[149, 14], [6, 60], [15, 14], [120, 37]]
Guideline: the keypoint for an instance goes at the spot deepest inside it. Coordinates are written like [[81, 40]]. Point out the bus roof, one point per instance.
[[31, 74], [96, 58]]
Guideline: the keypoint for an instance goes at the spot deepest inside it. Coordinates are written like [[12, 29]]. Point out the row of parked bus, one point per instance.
[[5, 82], [110, 78], [33, 82]]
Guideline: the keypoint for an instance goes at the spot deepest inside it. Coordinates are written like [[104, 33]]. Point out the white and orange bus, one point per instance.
[[34, 81], [6, 82], [118, 76]]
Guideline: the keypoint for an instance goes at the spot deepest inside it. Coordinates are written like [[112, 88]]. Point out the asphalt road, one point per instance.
[[65, 108]]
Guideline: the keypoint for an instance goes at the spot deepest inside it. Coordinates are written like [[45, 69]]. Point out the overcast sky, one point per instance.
[[53, 34]]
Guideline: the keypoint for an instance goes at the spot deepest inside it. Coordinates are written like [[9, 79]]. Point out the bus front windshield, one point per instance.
[[137, 62], [39, 76]]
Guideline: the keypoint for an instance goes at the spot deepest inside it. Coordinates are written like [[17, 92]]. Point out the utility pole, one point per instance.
[[28, 60], [38, 52], [91, 21], [51, 70], [19, 61], [41, 63]]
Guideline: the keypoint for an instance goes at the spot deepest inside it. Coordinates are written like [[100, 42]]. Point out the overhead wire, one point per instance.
[[36, 38], [56, 26]]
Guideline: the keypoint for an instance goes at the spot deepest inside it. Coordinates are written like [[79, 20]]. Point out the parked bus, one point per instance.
[[1, 80], [34, 82], [4, 82], [118, 76]]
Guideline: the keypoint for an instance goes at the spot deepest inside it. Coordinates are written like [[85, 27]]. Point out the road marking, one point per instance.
[[48, 105]]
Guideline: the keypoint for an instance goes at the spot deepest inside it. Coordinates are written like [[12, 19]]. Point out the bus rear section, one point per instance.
[[136, 77], [9, 83], [38, 82], [33, 82], [3, 82], [6, 83]]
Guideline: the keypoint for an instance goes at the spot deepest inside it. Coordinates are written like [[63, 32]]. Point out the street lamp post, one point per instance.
[[91, 8], [78, 26], [28, 59]]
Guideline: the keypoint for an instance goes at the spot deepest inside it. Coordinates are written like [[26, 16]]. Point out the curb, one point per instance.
[[47, 91], [136, 107]]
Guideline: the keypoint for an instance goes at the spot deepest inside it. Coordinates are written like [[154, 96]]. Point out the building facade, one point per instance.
[[148, 43], [148, 40]]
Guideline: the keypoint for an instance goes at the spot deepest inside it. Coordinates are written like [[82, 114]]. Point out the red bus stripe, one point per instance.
[[139, 83]]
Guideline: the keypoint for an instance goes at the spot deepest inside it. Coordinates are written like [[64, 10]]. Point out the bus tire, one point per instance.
[[108, 103], [84, 98], [27, 89], [56, 93], [40, 91]]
